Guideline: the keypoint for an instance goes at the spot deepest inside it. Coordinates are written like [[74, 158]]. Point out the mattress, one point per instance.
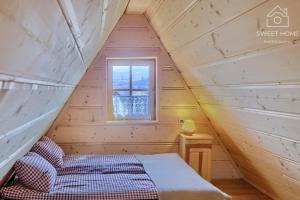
[[175, 180]]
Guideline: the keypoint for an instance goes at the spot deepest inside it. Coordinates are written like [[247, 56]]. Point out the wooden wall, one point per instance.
[[248, 87], [82, 126], [42, 59]]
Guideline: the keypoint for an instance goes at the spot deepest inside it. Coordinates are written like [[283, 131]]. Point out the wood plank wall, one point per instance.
[[41, 63], [82, 125], [248, 87]]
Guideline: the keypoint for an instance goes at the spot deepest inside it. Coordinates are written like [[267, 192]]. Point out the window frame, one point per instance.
[[129, 61]]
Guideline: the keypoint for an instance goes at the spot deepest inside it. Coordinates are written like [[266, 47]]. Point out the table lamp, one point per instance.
[[188, 127]]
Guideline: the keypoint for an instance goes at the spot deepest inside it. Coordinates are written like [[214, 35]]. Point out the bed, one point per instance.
[[108, 177], [173, 177], [89, 186], [164, 177]]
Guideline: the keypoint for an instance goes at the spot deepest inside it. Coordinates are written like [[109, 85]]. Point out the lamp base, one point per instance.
[[188, 133]]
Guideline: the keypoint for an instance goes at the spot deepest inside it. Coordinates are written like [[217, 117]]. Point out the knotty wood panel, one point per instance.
[[88, 96], [137, 6], [33, 104], [162, 133], [166, 12], [248, 88], [220, 43], [10, 142], [276, 66], [36, 35], [176, 97], [203, 17], [223, 169], [110, 148], [14, 146], [269, 122], [171, 79], [278, 98], [273, 132], [82, 126], [42, 60], [95, 20], [172, 114], [88, 14], [76, 115]]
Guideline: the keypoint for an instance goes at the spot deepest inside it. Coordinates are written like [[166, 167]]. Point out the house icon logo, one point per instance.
[[278, 17]]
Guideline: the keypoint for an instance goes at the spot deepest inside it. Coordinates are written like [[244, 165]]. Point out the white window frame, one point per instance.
[[152, 62]]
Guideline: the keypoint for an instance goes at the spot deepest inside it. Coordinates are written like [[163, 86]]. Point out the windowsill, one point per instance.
[[131, 122]]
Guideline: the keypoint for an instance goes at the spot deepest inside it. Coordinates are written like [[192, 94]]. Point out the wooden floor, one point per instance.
[[240, 190]]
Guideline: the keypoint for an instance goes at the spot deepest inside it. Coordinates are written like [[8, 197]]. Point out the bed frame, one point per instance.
[[8, 179]]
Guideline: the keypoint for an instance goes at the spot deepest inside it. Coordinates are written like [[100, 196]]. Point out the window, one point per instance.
[[131, 89]]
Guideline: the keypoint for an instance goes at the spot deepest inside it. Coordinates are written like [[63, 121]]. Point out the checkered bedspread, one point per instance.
[[104, 164], [115, 180], [90, 186]]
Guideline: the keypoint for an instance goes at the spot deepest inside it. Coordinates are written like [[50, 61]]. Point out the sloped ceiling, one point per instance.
[[45, 48], [82, 125], [249, 88], [247, 85]]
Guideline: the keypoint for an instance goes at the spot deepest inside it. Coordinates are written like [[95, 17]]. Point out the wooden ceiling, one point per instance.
[[45, 48], [247, 85]]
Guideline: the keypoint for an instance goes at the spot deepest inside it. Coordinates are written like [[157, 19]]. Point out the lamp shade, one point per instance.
[[188, 126]]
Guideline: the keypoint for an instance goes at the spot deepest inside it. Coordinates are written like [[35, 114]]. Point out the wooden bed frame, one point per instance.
[[8, 179]]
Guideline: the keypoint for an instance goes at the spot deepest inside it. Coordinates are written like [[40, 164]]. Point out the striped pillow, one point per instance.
[[35, 172], [50, 151]]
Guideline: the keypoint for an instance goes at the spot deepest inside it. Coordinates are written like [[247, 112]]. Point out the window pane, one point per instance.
[[120, 103], [121, 93], [140, 77], [130, 89], [140, 93], [121, 76], [141, 104], [131, 107]]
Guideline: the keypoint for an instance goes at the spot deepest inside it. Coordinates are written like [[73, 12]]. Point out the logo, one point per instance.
[[275, 30], [278, 17]]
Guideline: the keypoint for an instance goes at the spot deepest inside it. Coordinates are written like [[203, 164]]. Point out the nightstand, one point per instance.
[[196, 151]]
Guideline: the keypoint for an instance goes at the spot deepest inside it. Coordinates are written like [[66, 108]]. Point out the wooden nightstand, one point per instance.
[[196, 151]]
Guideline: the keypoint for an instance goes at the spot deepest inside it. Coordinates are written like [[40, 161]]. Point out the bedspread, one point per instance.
[[90, 187], [104, 164]]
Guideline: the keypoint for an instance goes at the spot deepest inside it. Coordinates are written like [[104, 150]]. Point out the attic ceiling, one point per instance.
[[247, 87], [138, 6], [45, 48]]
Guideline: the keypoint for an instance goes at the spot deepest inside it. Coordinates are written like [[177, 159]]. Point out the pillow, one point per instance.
[[35, 172], [50, 151]]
